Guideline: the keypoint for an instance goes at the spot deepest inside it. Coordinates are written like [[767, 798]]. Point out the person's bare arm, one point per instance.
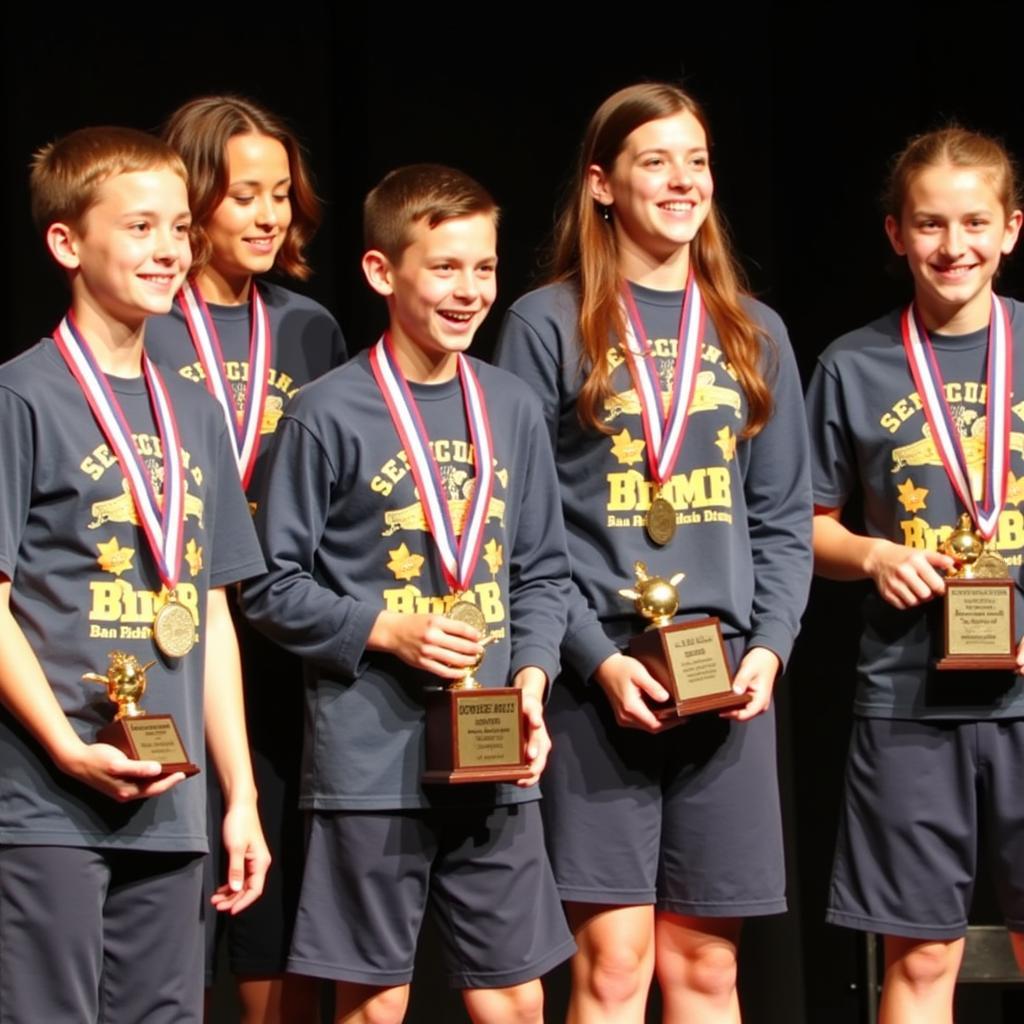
[[28, 695], [905, 577], [227, 742]]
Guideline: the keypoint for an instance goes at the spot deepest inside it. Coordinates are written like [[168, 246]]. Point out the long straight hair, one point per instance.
[[585, 253]]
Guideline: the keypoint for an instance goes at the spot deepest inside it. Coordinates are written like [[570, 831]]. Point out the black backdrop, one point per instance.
[[805, 112]]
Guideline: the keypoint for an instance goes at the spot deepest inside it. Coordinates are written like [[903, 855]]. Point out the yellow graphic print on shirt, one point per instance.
[[118, 610], [494, 556], [906, 418], [405, 564], [704, 495], [1014, 489], [628, 449], [114, 558], [456, 465], [912, 498], [237, 373], [194, 557], [458, 485]]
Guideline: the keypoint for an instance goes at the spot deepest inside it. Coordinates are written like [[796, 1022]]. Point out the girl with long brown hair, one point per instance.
[[675, 412], [253, 343]]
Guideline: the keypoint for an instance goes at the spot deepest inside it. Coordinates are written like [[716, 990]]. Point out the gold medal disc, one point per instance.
[[660, 521], [464, 611], [174, 632]]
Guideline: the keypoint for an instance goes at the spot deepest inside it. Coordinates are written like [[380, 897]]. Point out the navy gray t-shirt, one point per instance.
[[83, 583], [870, 438], [306, 343], [345, 536], [743, 508]]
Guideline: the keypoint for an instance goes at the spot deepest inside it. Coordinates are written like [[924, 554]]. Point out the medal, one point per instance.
[[243, 429], [468, 613], [163, 522], [174, 632], [924, 368], [660, 521], [459, 555], [664, 431]]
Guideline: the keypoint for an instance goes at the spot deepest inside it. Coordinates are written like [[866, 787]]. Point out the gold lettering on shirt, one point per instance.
[[631, 491], [410, 600], [119, 601], [918, 533]]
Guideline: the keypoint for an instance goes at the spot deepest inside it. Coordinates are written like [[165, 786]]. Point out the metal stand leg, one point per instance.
[[872, 980]]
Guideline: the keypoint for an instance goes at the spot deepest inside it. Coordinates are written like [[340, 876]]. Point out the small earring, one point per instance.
[[606, 212]]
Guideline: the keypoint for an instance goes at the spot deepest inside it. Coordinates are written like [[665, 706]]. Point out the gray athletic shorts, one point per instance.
[[917, 794], [688, 820], [92, 935], [370, 875]]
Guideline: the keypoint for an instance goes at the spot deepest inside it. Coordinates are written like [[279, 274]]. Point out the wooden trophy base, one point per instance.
[[683, 709], [475, 735], [689, 660], [150, 738], [978, 626]]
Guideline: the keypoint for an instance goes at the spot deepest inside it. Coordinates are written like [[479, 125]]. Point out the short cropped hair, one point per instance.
[[407, 195], [200, 131], [66, 175]]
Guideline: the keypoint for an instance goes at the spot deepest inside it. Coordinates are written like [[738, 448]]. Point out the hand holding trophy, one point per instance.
[[687, 658], [475, 734], [140, 736], [978, 614]]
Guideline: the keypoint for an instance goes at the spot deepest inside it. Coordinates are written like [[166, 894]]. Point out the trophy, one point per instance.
[[978, 616], [141, 736], [475, 733], [687, 658]]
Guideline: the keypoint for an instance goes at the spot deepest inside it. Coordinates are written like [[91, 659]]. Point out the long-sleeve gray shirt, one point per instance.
[[345, 537], [743, 507]]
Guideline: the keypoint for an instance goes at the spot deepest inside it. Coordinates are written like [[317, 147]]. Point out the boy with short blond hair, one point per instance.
[[370, 550], [120, 510]]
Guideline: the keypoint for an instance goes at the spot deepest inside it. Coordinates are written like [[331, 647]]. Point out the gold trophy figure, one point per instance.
[[687, 658], [654, 598], [125, 682], [140, 736], [974, 561]]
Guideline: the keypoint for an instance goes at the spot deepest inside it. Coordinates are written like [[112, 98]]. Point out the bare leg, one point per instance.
[[518, 1004], [695, 958], [920, 975], [612, 969], [281, 999], [369, 1004]]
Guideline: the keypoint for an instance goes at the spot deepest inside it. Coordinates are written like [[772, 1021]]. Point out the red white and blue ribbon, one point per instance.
[[665, 431], [244, 430], [458, 557], [924, 367], [164, 526]]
